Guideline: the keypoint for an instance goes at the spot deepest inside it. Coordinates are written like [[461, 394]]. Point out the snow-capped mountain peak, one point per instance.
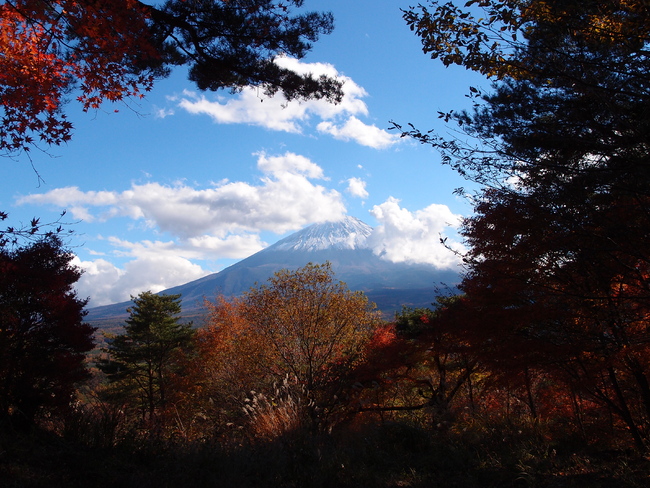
[[349, 233]]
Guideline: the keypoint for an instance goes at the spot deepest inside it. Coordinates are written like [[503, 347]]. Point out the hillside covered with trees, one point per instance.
[[536, 374]]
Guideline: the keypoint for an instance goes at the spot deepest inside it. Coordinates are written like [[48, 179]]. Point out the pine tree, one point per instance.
[[141, 360]]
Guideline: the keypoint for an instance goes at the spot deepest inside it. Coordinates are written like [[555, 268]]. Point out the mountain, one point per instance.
[[343, 244]]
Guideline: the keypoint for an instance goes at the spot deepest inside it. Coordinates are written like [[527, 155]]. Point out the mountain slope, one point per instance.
[[343, 244]]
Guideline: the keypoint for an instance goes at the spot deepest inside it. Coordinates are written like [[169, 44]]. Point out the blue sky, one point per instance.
[[183, 183]]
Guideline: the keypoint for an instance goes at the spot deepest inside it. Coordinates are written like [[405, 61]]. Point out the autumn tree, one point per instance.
[[303, 325], [417, 365], [141, 361], [447, 363], [558, 261], [113, 51], [209, 395], [43, 340]]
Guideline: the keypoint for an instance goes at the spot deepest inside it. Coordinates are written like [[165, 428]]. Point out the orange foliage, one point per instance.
[[302, 326], [227, 348], [208, 397], [111, 51], [48, 46]]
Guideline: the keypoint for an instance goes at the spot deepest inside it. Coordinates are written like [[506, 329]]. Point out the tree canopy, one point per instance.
[[301, 325], [113, 51], [142, 359], [557, 271], [311, 322], [43, 340]]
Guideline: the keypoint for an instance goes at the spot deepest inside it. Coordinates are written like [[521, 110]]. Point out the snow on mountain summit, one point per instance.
[[349, 233]]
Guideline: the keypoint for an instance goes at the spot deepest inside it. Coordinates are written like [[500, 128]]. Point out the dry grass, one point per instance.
[[284, 412]]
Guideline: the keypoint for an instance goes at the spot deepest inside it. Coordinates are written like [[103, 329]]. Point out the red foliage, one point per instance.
[[49, 46], [111, 51], [565, 298], [43, 340]]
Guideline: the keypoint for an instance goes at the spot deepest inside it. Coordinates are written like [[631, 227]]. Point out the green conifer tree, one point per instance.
[[141, 360]]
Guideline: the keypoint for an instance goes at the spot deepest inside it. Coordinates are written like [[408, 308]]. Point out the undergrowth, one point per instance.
[[366, 454]]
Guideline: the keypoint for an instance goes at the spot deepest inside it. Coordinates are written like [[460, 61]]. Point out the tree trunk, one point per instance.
[[625, 411]]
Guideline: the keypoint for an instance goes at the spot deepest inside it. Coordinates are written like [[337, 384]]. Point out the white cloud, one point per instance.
[[202, 247], [404, 236], [220, 222], [98, 281], [289, 163], [156, 265], [161, 113], [248, 108], [286, 199], [63, 196], [232, 246], [355, 130], [276, 113], [357, 188], [105, 283]]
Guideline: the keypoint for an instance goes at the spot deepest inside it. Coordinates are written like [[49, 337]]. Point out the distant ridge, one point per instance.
[[344, 244]]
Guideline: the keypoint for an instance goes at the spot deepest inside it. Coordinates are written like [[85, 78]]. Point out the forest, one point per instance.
[[535, 374]]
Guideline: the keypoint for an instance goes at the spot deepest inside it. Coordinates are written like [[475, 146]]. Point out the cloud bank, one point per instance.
[[404, 236], [221, 222], [401, 236], [341, 121], [199, 226], [285, 199]]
